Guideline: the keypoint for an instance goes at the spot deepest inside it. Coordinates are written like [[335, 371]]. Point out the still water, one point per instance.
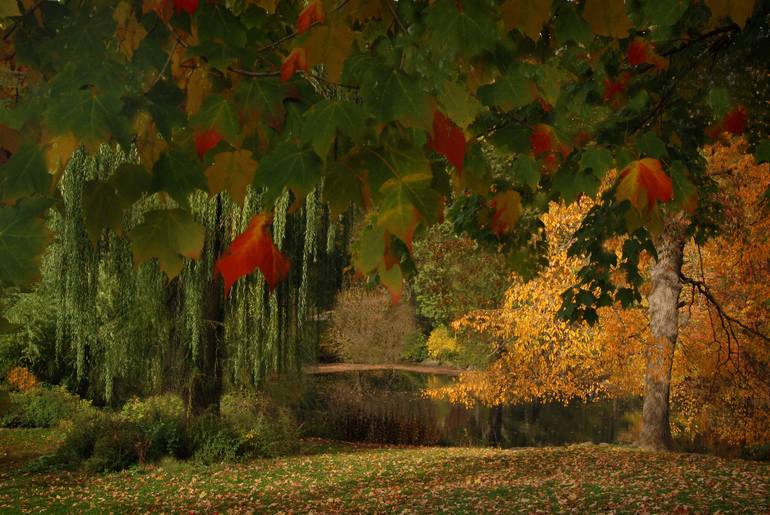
[[387, 406]]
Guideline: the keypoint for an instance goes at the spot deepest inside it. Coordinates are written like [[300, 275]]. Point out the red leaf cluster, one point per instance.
[[253, 249], [614, 91], [296, 60], [546, 143], [641, 51], [734, 122], [205, 141], [448, 140], [312, 13], [188, 6]]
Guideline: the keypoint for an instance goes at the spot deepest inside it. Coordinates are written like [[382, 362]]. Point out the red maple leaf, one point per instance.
[[253, 249], [542, 139], [637, 51], [448, 140], [312, 13], [188, 6], [296, 60], [734, 121], [613, 90], [205, 141]]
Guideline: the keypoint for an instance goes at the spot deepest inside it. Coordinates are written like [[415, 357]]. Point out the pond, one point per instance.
[[386, 406]]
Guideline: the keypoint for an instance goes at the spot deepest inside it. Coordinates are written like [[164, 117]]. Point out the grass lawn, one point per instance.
[[347, 478]]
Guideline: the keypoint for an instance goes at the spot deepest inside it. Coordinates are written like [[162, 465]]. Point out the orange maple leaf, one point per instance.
[[312, 13], [253, 249], [643, 182], [296, 60], [507, 209], [448, 140]]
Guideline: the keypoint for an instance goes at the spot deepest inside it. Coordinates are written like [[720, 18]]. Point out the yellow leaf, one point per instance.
[[528, 16], [608, 18], [329, 45], [9, 8], [231, 172], [507, 209], [198, 87], [737, 10], [58, 151], [129, 31], [149, 144]]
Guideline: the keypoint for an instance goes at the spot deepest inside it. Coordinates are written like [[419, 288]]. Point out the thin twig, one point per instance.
[[165, 66]]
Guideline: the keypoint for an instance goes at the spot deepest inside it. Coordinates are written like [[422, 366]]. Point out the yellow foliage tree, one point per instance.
[[721, 370], [542, 357]]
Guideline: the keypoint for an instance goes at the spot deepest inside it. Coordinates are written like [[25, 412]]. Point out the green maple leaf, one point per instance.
[[459, 105], [287, 165], [24, 174], [131, 181], [648, 144], [342, 187], [163, 102], [167, 235], [264, 96], [569, 26], [526, 170], [178, 174], [762, 154], [596, 159], [369, 249], [92, 118], [511, 91], [664, 12], [217, 113], [324, 119], [468, 31], [23, 238], [392, 95], [100, 205]]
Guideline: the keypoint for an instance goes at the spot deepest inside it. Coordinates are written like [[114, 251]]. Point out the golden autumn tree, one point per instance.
[[722, 372], [720, 365], [544, 357]]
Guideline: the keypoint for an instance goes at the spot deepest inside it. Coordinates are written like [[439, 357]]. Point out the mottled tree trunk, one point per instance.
[[664, 326]]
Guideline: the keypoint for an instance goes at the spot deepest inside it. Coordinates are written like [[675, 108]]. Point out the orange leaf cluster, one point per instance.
[[296, 60], [312, 13]]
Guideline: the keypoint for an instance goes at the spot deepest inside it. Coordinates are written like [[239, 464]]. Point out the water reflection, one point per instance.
[[387, 407]]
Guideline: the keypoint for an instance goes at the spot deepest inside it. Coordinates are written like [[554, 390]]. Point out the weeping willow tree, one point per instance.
[[121, 330]]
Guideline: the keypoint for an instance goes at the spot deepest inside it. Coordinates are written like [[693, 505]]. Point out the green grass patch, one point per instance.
[[332, 477]]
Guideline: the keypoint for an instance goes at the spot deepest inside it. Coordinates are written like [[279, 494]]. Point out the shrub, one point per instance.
[[43, 407], [415, 347], [214, 440], [21, 379], [265, 430], [117, 445], [161, 420], [367, 328], [442, 345]]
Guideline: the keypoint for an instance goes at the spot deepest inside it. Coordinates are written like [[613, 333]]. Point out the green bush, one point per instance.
[[266, 430], [117, 446], [161, 420], [214, 440], [415, 347], [43, 407]]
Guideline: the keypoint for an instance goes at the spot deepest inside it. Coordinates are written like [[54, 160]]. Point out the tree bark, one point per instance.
[[663, 302]]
